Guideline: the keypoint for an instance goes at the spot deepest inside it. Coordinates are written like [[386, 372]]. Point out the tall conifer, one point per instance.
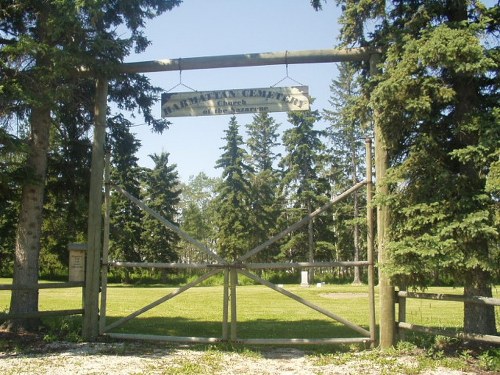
[[125, 231], [234, 201], [162, 194], [262, 142], [44, 47], [437, 102], [304, 187], [346, 136]]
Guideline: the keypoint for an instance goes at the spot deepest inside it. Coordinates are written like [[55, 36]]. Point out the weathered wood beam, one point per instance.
[[450, 297], [386, 289], [94, 227], [71, 284], [249, 59], [450, 333]]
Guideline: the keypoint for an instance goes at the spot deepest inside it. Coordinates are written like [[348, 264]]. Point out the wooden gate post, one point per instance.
[[370, 241], [386, 290], [225, 306], [233, 275], [90, 328]]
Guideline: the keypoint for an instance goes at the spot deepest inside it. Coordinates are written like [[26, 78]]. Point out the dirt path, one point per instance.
[[139, 358]]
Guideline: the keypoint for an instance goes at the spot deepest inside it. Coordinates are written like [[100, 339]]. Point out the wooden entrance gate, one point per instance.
[[242, 267], [94, 231]]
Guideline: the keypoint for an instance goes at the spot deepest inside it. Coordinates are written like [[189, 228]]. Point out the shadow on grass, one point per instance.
[[260, 328]]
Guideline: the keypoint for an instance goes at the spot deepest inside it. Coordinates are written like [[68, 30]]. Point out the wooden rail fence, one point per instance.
[[402, 296], [42, 314]]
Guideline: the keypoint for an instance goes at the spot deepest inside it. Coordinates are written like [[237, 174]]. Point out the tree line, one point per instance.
[[435, 100], [259, 193]]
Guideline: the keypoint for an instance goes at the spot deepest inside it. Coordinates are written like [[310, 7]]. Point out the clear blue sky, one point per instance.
[[226, 27]]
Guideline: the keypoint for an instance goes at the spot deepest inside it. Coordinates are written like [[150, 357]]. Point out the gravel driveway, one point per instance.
[[140, 358]]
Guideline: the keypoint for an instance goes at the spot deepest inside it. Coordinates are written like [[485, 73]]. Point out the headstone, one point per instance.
[[304, 277], [77, 261]]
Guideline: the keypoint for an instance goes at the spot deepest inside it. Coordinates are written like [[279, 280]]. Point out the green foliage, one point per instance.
[[197, 215], [50, 54], [261, 142], [126, 217], [436, 103], [12, 174], [159, 243], [345, 134], [63, 329], [66, 197], [490, 360], [303, 186], [439, 197], [234, 200]]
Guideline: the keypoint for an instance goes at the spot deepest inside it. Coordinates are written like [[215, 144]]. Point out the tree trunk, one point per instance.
[[30, 224], [478, 318]]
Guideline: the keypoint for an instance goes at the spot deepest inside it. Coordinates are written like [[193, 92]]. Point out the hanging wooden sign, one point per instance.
[[238, 101]]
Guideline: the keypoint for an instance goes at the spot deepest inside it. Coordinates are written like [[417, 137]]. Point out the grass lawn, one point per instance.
[[261, 313]]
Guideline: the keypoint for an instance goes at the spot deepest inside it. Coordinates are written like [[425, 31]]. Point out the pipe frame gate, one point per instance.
[[231, 271], [94, 322]]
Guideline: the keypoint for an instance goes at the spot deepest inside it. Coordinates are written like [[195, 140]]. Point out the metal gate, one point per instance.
[[242, 267]]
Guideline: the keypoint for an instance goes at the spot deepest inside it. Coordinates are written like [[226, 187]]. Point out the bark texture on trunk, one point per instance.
[[479, 318], [30, 223]]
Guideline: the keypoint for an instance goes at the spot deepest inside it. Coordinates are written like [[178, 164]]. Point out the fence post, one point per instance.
[[105, 243], [225, 306], [370, 239], [401, 312], [90, 326], [386, 290], [234, 321]]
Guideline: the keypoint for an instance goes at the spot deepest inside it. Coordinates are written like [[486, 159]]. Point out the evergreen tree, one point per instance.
[[159, 243], [12, 174], [346, 137], [66, 198], [261, 142], [126, 217], [438, 108], [234, 200], [43, 47], [304, 188]]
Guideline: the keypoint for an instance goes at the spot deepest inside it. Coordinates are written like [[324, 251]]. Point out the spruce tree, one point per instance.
[[12, 174], [262, 141], [437, 101], [346, 135], [304, 187], [67, 194], [126, 217], [44, 48], [162, 194], [234, 201]]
